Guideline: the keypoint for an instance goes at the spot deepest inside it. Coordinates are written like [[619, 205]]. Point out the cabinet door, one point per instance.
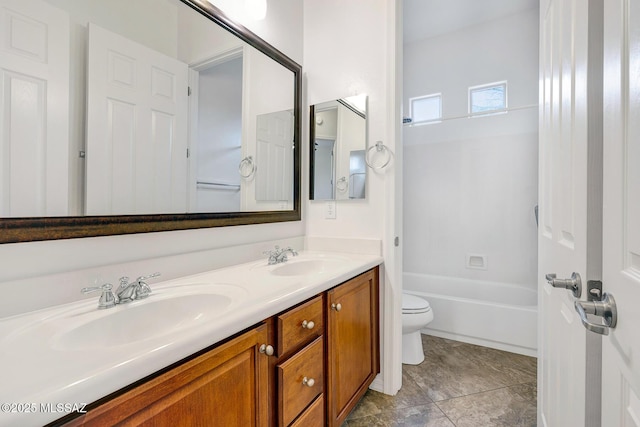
[[226, 386], [352, 343]]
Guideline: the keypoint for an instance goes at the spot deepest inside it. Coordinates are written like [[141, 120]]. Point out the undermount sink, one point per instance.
[[164, 312], [305, 267]]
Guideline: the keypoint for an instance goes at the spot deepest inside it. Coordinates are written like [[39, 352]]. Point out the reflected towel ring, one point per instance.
[[247, 167], [342, 184], [380, 147]]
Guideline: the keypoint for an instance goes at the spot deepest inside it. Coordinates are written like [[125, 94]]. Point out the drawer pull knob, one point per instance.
[[309, 382], [308, 325], [336, 307], [266, 349]]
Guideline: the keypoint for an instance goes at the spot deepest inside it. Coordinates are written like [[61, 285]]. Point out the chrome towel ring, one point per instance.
[[247, 167], [380, 148], [342, 184]]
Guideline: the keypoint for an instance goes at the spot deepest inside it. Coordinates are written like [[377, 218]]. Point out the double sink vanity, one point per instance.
[[292, 343]]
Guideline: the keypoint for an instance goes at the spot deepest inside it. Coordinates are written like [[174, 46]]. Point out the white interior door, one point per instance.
[[137, 128], [34, 109], [569, 227], [621, 241]]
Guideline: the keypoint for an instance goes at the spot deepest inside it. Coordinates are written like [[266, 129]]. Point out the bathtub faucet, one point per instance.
[[278, 255]]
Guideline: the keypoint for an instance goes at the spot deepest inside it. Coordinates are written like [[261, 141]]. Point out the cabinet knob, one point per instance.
[[308, 325], [266, 349], [336, 307], [309, 382]]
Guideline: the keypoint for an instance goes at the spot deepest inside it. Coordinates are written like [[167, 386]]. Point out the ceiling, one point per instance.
[[429, 18]]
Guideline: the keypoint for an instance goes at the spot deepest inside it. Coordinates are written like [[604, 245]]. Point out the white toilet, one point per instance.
[[416, 314]]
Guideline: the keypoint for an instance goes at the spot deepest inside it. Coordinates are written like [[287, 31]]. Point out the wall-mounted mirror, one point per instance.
[[123, 117], [338, 144]]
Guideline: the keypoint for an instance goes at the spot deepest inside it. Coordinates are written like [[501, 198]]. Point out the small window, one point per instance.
[[487, 99], [426, 108]]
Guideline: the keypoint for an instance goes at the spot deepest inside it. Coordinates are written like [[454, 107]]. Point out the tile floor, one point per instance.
[[458, 385]]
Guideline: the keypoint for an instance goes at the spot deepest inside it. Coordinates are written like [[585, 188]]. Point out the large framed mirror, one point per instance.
[[338, 141], [126, 117]]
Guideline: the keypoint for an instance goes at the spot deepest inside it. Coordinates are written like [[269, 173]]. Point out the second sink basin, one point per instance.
[[305, 267]]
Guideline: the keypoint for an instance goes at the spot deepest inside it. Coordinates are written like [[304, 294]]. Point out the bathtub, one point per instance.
[[491, 314]]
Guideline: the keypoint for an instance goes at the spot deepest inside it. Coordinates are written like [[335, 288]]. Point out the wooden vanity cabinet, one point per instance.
[[300, 364], [324, 356], [226, 386], [352, 343]]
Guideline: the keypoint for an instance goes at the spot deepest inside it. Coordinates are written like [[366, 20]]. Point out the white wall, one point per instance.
[[345, 61], [350, 48], [471, 183], [53, 272]]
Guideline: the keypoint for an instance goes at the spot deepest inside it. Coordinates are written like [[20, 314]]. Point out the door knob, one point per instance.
[[606, 308], [336, 307], [574, 284]]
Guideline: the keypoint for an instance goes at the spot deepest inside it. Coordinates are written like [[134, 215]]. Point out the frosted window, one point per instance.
[[426, 108], [485, 99]]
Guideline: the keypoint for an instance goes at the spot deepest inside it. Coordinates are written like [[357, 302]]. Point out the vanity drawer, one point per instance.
[[299, 325], [294, 395], [313, 416]]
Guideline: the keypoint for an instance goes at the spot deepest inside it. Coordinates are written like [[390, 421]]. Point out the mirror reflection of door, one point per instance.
[[34, 131], [357, 174], [217, 134], [324, 170], [274, 139], [137, 128]]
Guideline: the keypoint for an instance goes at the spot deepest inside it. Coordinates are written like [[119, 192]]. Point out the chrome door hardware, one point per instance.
[[574, 284], [594, 290], [606, 309]]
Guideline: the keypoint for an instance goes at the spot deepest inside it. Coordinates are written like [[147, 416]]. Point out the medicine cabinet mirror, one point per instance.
[[127, 117], [338, 149]]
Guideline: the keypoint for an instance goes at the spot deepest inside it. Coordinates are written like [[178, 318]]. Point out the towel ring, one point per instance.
[[342, 184], [247, 167], [380, 147]]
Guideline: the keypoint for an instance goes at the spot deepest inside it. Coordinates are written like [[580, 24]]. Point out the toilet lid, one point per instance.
[[414, 304]]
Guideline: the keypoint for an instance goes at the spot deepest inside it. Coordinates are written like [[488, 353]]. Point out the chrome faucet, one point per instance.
[[107, 298], [278, 255], [126, 292], [130, 291]]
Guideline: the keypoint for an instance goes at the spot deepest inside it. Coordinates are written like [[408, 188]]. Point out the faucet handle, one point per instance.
[[150, 276], [107, 298], [143, 289]]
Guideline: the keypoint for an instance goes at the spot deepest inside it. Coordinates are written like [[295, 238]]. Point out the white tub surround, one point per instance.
[[491, 314], [45, 366]]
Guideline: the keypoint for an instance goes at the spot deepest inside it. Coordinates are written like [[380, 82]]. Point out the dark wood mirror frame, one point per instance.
[[13, 230]]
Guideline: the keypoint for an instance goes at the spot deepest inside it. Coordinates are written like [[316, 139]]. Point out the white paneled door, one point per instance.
[[564, 234], [621, 219], [137, 118], [34, 109], [589, 374]]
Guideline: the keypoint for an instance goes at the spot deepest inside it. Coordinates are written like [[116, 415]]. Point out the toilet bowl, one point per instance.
[[416, 314]]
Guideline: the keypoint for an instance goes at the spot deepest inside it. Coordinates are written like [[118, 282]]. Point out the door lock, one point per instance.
[[574, 284]]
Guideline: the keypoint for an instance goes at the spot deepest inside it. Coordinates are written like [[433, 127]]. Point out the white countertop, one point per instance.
[[41, 373]]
